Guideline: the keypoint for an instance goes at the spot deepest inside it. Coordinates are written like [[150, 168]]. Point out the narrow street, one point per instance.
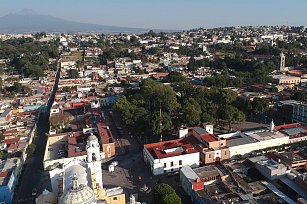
[[33, 167]]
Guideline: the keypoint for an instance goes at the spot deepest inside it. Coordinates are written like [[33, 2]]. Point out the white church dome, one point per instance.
[[78, 194]]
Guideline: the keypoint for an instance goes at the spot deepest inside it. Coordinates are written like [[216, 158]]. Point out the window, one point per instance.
[[164, 165], [209, 155], [172, 163], [115, 198], [225, 153], [180, 162]]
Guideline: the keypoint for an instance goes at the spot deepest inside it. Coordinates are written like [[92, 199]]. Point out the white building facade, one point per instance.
[[170, 164]]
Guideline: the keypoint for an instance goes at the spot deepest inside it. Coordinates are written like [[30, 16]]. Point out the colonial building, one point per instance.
[[199, 146], [80, 182]]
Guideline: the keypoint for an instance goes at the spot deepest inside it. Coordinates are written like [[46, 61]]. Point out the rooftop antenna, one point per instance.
[[161, 137]]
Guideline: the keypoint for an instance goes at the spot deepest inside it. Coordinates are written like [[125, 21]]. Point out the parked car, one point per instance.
[[34, 192]]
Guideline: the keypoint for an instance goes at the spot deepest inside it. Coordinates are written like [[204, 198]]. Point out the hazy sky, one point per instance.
[[168, 14]]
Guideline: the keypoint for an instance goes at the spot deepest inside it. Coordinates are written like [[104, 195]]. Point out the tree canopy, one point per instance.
[[181, 104], [165, 194], [28, 57], [31, 149], [72, 74], [259, 105]]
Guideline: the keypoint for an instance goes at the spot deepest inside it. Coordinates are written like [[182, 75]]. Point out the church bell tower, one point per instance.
[[94, 160]]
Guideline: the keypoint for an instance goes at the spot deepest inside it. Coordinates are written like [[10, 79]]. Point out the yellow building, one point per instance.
[[279, 88], [286, 79]]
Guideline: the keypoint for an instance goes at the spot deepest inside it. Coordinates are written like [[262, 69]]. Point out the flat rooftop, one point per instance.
[[206, 171], [238, 140], [189, 173], [265, 134], [292, 156], [55, 144], [269, 163], [281, 76], [200, 130]]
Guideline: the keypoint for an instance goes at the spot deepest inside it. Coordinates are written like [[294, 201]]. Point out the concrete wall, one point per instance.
[[243, 149], [187, 159], [157, 165]]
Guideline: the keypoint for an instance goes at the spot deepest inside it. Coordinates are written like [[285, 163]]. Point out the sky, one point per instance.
[[168, 14]]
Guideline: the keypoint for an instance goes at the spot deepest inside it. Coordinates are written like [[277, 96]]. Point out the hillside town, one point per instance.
[[200, 116]]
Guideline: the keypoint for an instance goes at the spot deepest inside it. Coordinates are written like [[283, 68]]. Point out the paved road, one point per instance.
[[33, 169]]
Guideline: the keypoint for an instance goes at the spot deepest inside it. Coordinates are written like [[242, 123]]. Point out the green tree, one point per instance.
[[191, 113], [221, 97], [72, 74], [231, 114], [299, 96], [17, 87], [2, 154], [134, 40], [172, 198], [27, 90], [31, 149], [259, 105], [156, 95], [192, 64], [176, 77], [154, 121], [165, 194], [140, 109], [1, 136]]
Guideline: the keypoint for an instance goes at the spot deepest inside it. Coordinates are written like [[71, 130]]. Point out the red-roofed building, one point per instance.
[[11, 141], [197, 146], [296, 132], [106, 139], [170, 156]]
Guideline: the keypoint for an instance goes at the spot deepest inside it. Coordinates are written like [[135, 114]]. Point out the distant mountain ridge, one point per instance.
[[28, 21]]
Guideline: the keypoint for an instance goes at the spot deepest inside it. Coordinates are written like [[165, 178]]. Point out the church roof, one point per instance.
[[78, 194], [80, 171]]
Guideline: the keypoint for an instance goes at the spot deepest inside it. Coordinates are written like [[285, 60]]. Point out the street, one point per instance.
[[33, 168], [33, 173]]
